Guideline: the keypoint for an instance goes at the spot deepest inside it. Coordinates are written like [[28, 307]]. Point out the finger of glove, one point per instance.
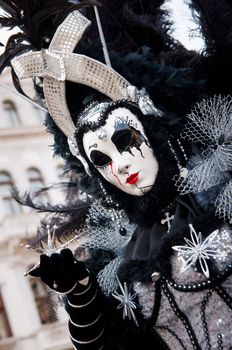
[[67, 255], [68, 260], [68, 266], [45, 270], [74, 269], [56, 262], [80, 270], [34, 272]]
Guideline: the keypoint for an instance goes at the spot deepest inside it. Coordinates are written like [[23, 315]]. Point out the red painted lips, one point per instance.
[[132, 179]]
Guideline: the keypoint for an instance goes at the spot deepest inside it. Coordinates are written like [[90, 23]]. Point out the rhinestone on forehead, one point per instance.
[[101, 134]]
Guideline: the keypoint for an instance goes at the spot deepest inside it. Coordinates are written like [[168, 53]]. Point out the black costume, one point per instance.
[[167, 252]]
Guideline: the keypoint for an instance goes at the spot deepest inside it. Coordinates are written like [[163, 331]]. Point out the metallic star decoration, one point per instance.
[[126, 302], [198, 250], [49, 248]]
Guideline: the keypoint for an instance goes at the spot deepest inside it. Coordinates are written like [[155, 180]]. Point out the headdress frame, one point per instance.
[[58, 63]]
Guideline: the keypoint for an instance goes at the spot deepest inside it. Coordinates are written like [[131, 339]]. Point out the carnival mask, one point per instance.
[[121, 152]]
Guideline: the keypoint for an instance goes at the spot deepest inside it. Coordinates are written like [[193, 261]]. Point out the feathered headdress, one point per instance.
[[58, 63], [136, 35]]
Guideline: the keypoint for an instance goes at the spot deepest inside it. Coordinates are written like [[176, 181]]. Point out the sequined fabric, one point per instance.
[[199, 318], [59, 63]]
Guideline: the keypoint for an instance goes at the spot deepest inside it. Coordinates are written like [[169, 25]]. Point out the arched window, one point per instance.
[[36, 181], [10, 205], [12, 116], [35, 178], [5, 331], [43, 301]]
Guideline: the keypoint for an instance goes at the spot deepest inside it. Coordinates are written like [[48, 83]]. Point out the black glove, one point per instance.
[[60, 272]]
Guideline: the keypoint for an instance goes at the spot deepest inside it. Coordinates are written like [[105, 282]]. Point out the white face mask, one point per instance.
[[121, 153]]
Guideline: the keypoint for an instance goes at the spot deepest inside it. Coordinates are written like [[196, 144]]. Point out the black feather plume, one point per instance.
[[214, 19], [30, 199]]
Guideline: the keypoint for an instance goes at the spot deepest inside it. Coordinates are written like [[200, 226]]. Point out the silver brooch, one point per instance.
[[126, 302], [101, 134], [198, 250]]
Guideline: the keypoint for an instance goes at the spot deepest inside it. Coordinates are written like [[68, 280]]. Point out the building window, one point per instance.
[[43, 301], [36, 181], [5, 331], [62, 176], [40, 115], [12, 116], [10, 204]]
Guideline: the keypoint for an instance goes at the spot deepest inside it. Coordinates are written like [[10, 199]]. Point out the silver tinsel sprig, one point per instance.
[[207, 173], [210, 124], [223, 203], [49, 247], [107, 277], [101, 232], [210, 121]]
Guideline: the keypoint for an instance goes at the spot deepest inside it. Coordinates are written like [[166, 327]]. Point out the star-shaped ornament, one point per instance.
[[49, 248], [126, 302], [198, 249]]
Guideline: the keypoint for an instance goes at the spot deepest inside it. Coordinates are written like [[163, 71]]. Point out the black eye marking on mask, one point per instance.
[[99, 159], [127, 138]]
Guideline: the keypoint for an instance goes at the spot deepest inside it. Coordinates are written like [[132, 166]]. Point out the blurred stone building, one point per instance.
[[26, 319]]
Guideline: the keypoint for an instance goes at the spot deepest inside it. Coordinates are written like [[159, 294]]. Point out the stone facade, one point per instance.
[[25, 323]]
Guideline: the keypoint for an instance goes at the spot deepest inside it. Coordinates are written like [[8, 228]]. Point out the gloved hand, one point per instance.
[[60, 271]]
